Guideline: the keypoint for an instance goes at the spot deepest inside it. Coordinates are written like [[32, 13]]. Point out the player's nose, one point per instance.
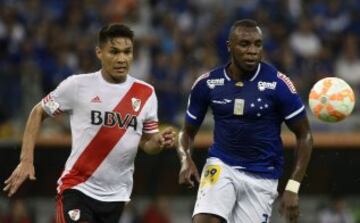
[[121, 58]]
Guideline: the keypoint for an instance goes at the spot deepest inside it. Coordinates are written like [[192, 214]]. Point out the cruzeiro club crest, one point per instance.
[[74, 214], [136, 103]]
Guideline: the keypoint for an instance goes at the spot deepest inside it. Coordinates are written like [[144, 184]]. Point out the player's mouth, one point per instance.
[[251, 62], [120, 69]]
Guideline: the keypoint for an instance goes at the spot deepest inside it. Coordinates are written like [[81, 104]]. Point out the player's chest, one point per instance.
[[109, 108], [247, 101]]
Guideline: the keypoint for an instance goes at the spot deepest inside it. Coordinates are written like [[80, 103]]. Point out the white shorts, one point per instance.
[[235, 195]]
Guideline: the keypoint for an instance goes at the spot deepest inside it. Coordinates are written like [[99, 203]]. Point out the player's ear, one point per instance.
[[228, 45], [98, 52]]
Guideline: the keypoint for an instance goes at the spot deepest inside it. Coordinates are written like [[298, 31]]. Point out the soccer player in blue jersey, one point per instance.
[[249, 99]]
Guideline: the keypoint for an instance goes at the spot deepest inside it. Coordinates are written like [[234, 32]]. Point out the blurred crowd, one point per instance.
[[44, 41]]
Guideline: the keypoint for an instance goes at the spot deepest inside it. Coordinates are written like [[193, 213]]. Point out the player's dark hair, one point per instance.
[[247, 23], [115, 30]]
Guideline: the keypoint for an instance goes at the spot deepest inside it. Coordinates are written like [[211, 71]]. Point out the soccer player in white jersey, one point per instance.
[[111, 114], [249, 100]]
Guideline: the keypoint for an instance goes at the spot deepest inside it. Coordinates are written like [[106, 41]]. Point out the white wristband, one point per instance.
[[292, 186]]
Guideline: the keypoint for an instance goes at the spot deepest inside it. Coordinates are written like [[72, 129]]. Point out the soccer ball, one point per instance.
[[331, 99]]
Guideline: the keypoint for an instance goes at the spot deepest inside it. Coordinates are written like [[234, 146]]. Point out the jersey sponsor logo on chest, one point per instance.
[[113, 119], [212, 83], [262, 85]]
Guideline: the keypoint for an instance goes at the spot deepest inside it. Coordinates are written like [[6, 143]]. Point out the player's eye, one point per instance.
[[258, 44], [113, 51], [244, 43]]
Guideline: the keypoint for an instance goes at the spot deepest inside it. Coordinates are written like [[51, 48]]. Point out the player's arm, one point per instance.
[[293, 111], [198, 103], [153, 143], [25, 168], [289, 206], [304, 144], [188, 172]]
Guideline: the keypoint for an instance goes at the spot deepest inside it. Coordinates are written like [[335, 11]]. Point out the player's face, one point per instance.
[[245, 46], [116, 57]]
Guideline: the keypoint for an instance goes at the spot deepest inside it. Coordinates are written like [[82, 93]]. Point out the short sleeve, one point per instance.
[[151, 122], [61, 99], [198, 101], [290, 105]]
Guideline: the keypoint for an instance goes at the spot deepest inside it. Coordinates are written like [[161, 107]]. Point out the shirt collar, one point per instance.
[[251, 79]]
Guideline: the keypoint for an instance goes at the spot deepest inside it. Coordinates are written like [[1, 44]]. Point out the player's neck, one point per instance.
[[236, 73], [112, 79]]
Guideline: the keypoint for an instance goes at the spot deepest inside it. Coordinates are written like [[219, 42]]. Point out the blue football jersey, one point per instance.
[[247, 117]]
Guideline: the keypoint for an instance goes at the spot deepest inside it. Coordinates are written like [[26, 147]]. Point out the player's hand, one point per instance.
[[189, 174], [22, 172], [167, 138], [289, 206]]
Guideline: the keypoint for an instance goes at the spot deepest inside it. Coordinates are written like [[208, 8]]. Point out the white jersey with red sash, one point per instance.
[[107, 121]]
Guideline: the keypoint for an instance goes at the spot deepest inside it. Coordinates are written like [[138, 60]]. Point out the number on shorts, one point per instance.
[[210, 175]]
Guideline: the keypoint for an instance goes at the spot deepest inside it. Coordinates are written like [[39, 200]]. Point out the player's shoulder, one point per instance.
[[141, 83], [272, 72], [269, 71], [211, 77], [286, 81], [73, 81], [282, 79], [83, 77]]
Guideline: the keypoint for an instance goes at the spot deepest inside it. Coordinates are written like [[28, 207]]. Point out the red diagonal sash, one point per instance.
[[105, 140]]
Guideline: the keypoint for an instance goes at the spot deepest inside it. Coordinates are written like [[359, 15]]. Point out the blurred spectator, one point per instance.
[[130, 214], [141, 64], [336, 18], [31, 86], [304, 41], [117, 10], [354, 26], [336, 212], [348, 62], [357, 213], [295, 8], [18, 213], [158, 211], [166, 77], [2, 216]]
